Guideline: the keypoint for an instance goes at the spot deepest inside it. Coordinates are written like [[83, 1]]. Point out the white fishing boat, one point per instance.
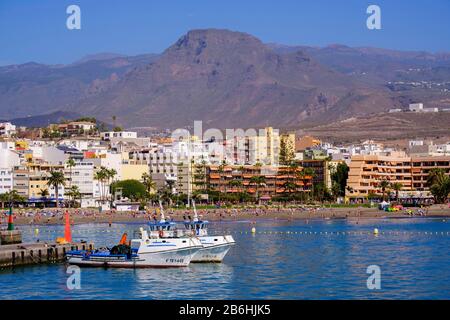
[[162, 247], [214, 247]]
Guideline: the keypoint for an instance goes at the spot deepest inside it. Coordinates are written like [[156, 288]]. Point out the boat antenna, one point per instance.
[[195, 211], [163, 219]]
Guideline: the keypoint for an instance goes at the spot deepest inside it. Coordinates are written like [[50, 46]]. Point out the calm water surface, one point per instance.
[[284, 260]]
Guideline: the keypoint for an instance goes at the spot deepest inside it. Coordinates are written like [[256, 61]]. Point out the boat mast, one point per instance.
[[163, 219], [195, 211]]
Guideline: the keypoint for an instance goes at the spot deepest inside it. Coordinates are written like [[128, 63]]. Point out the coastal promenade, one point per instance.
[[80, 216]]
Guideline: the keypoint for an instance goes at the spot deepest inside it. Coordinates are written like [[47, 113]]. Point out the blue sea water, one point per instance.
[[325, 259]]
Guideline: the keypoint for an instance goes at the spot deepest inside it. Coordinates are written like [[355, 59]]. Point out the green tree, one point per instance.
[[11, 197], [384, 184], [70, 163], [258, 181], [286, 154], [148, 182], [439, 183], [397, 186], [55, 180], [235, 183], [339, 174], [44, 194], [73, 193], [132, 189]]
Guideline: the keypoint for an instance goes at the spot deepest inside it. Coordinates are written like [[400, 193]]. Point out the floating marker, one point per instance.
[[253, 230], [375, 231]]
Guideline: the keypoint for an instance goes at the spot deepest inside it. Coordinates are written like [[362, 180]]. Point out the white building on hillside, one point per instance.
[[7, 129], [119, 134]]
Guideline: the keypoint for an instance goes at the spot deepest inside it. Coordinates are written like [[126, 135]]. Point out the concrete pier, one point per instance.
[[37, 253], [10, 237]]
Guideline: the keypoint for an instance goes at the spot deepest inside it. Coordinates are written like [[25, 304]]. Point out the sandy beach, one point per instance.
[[80, 216]]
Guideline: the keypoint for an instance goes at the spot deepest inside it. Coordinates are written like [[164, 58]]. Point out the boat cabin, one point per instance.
[[198, 228], [162, 229]]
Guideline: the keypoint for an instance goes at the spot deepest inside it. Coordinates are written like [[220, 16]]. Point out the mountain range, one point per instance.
[[228, 79]]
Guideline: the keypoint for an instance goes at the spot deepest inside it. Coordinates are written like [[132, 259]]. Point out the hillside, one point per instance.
[[229, 79]]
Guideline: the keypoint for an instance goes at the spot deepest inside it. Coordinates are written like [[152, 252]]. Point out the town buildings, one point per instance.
[[367, 171], [229, 164], [7, 129]]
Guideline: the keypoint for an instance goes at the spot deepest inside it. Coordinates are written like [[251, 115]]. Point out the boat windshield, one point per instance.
[[161, 226], [196, 225]]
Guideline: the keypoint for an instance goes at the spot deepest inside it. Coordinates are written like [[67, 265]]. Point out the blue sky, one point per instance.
[[33, 30]]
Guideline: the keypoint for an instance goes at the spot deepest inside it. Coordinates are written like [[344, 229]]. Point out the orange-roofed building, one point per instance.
[[306, 142]]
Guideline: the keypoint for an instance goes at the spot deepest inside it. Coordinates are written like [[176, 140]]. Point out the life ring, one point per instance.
[[161, 233]]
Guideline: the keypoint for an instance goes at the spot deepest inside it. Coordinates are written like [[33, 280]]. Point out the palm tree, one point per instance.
[[258, 181], [148, 182], [439, 184], [55, 180], [397, 186], [165, 194], [100, 176], [110, 174], [74, 193], [11, 197], [105, 177], [44, 194], [383, 184], [70, 164], [3, 199]]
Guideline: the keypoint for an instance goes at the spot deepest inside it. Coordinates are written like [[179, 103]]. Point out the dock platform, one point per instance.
[[37, 253]]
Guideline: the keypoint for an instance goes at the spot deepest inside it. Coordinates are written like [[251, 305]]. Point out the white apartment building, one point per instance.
[[6, 180], [82, 176], [7, 145], [7, 129], [120, 134]]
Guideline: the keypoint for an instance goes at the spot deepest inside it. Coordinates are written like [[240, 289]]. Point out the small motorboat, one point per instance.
[[214, 247]]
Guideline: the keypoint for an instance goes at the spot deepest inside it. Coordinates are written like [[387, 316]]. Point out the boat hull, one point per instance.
[[214, 249], [160, 259]]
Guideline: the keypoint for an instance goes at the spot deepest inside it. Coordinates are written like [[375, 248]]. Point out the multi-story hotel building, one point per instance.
[[219, 177], [366, 172], [29, 180], [275, 179]]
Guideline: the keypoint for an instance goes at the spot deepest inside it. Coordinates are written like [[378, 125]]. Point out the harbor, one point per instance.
[[318, 259], [14, 253]]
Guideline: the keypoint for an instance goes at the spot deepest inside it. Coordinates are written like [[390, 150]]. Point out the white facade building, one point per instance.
[[7, 129], [416, 107], [119, 134], [6, 180]]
